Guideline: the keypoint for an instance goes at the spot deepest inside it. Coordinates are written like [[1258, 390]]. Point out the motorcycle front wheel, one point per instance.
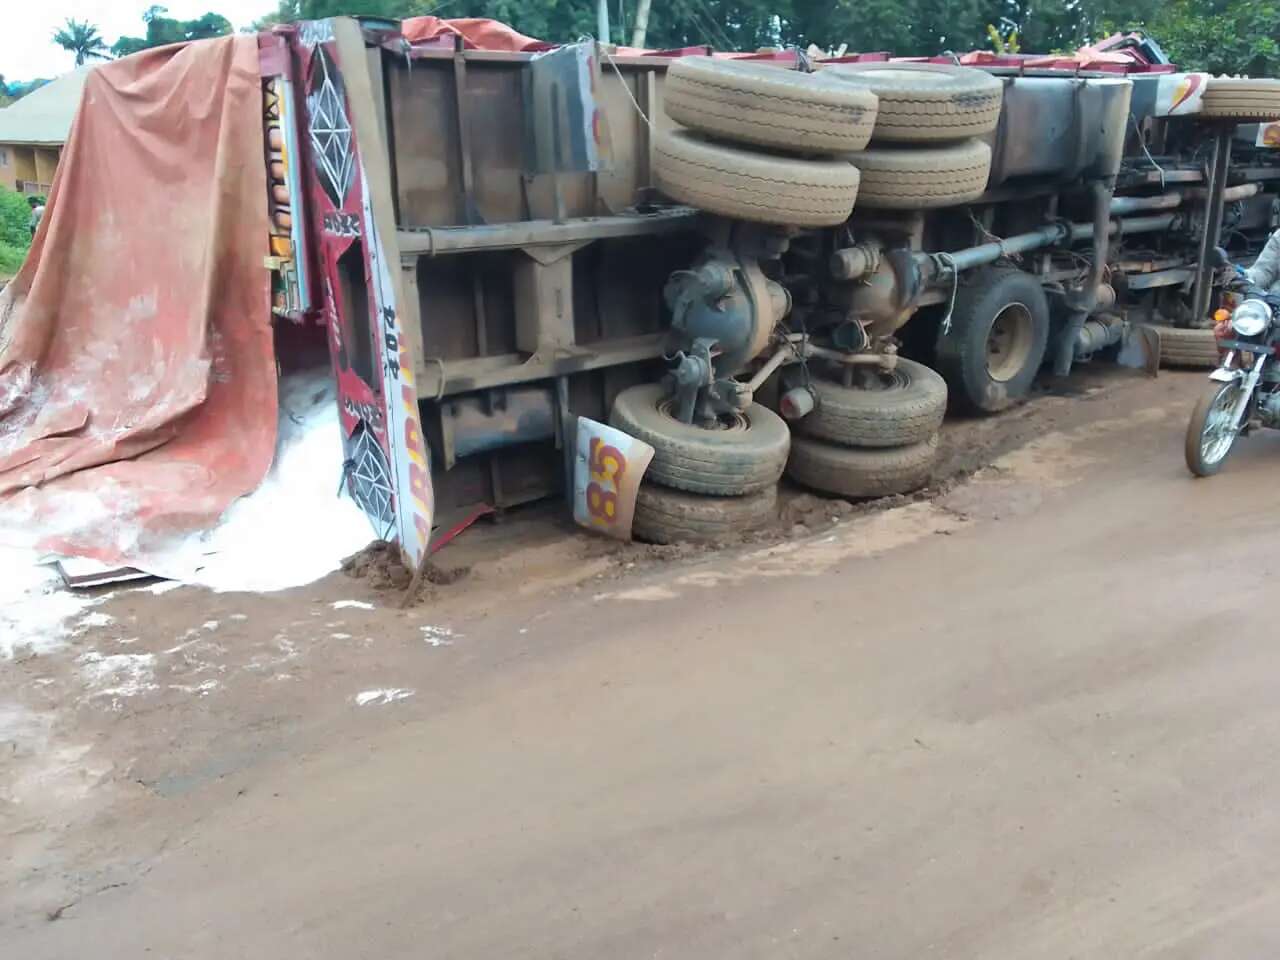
[[1212, 432]]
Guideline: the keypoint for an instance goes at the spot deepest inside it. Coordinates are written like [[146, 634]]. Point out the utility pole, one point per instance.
[[602, 20], [642, 23]]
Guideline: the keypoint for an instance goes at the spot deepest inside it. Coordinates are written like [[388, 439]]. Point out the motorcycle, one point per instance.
[[1244, 392]]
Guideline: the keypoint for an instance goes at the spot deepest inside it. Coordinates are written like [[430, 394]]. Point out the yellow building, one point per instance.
[[33, 130]]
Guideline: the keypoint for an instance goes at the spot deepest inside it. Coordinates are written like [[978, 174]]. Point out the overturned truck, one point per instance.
[[753, 264]]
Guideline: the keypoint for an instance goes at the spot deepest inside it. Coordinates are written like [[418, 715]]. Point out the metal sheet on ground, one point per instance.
[[607, 470]]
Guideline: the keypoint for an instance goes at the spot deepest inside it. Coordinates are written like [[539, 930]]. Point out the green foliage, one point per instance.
[[17, 89], [1220, 36], [15, 218], [15, 231], [162, 30], [11, 259], [291, 10], [82, 39]]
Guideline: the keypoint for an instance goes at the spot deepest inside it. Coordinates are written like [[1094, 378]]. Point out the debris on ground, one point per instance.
[[380, 566]]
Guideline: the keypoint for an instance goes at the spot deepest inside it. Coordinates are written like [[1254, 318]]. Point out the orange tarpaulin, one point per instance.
[[137, 378], [478, 33]]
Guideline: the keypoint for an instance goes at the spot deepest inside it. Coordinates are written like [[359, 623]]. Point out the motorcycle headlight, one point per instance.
[[1250, 318]]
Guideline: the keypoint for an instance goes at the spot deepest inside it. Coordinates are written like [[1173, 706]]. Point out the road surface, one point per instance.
[[1034, 717]]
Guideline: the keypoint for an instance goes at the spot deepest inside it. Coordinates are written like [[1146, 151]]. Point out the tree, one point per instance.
[[1220, 36], [83, 40], [1223, 36], [162, 30], [290, 10]]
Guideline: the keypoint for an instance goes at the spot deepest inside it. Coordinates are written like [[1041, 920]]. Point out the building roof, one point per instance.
[[44, 115]]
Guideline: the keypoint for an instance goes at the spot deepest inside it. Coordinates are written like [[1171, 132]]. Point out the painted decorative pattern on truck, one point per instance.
[[388, 471]]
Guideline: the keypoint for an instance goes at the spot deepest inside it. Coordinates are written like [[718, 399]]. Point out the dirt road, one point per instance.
[[1032, 717]]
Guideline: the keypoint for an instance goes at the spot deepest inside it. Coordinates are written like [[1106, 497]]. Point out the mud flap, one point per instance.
[[1140, 349], [607, 467]]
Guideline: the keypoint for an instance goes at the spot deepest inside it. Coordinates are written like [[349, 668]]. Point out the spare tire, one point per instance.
[[745, 456], [905, 407], [1192, 347], [917, 178], [673, 516], [1239, 98], [855, 472], [753, 185], [746, 101], [927, 102]]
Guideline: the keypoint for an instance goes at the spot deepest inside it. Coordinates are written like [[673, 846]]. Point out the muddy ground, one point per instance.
[[959, 724]]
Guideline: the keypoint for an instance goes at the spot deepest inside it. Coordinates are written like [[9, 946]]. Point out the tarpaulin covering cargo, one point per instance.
[[137, 377]]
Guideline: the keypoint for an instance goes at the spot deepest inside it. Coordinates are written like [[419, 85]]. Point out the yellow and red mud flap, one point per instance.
[[607, 467]]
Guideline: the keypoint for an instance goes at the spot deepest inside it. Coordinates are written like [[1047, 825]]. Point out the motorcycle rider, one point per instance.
[[1265, 271]]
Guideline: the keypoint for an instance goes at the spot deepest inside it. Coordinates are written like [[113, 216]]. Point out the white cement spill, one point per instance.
[[164, 586], [351, 605], [291, 531], [199, 689], [294, 528], [438, 636], [390, 695], [118, 674], [35, 611]]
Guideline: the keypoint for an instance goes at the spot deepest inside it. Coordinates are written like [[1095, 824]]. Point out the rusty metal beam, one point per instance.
[[442, 378], [439, 241]]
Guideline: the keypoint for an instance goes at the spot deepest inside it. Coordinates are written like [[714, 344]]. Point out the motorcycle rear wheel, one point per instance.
[[1212, 432]]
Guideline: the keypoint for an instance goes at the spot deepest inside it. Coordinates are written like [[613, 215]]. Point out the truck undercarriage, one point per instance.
[[503, 243]]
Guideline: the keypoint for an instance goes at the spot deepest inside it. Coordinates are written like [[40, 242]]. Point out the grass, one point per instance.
[[11, 258], [15, 231]]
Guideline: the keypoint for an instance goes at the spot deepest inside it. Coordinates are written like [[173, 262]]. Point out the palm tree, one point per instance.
[[82, 39]]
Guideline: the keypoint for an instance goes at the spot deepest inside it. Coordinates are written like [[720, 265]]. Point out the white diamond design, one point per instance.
[[330, 128], [371, 483]]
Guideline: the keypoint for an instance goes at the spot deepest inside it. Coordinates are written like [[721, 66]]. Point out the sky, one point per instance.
[[27, 49]]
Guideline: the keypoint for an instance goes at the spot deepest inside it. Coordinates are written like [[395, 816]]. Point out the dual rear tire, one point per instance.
[[703, 485], [877, 439]]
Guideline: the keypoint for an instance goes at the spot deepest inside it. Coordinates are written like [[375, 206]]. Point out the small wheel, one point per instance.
[[1211, 433], [855, 472], [753, 102], [745, 453], [999, 331], [673, 516], [882, 409]]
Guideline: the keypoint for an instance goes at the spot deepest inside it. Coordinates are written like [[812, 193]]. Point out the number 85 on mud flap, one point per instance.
[[607, 468]]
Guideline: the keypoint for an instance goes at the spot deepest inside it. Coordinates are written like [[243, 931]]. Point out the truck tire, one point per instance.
[[999, 331], [854, 472], [673, 516], [729, 462], [927, 102], [745, 101], [1191, 347], [906, 408], [752, 185], [915, 178], [1237, 98]]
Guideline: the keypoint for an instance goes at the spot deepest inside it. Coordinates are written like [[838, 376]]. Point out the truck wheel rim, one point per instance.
[[1219, 432], [881, 380], [1009, 342], [730, 422]]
